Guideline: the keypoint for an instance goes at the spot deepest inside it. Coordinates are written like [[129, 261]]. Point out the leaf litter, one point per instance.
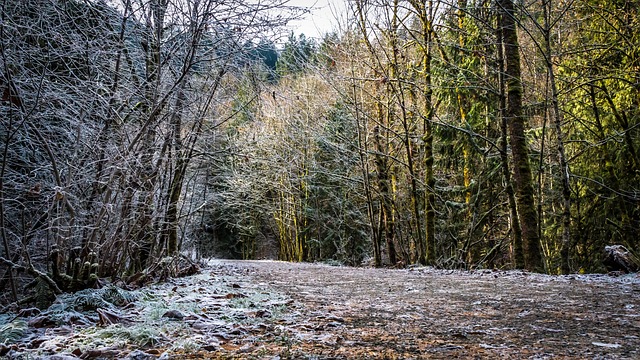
[[277, 310]]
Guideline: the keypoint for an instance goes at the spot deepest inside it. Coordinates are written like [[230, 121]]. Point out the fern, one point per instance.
[[92, 299], [12, 332], [69, 317], [69, 308], [43, 294], [118, 296]]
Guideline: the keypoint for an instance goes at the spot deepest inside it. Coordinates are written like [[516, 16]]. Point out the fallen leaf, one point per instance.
[[230, 347], [235, 296]]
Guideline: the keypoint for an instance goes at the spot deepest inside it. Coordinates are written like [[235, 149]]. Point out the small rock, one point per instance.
[[336, 319], [108, 353], [210, 347], [237, 331], [201, 325], [60, 357], [4, 349], [333, 324], [262, 313], [174, 314], [139, 355]]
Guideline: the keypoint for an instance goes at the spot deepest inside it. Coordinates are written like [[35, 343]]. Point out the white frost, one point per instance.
[[612, 346]]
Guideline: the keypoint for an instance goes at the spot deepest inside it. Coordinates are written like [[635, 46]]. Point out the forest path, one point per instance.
[[276, 310], [344, 312]]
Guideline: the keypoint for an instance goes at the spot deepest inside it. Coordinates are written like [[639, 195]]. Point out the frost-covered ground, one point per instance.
[[276, 310], [428, 313]]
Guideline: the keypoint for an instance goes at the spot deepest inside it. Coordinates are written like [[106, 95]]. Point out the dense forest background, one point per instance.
[[457, 134]]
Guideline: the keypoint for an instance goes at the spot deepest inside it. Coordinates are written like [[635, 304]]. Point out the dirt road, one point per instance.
[[341, 312]]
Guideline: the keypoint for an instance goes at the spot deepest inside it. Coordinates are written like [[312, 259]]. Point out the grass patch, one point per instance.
[[139, 334]]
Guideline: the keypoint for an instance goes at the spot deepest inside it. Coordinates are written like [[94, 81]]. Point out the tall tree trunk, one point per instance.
[[527, 213], [462, 109], [145, 238], [175, 186], [3, 230], [376, 226], [384, 181], [516, 230], [408, 121], [564, 166], [424, 11]]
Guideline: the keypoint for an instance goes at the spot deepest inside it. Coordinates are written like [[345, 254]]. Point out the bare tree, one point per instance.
[[106, 107]]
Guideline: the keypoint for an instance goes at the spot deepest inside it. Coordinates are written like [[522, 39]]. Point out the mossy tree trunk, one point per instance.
[[527, 213], [516, 230]]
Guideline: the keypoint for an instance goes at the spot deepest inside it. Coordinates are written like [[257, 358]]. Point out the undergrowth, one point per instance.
[[137, 334], [12, 331], [108, 297], [77, 307]]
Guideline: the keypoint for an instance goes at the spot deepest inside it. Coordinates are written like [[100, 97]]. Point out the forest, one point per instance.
[[468, 134]]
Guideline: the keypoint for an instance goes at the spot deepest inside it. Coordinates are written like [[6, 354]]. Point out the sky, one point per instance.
[[321, 19]]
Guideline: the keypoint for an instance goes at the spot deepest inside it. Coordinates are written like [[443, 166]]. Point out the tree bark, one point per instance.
[[386, 210], [425, 12], [562, 159], [516, 230], [522, 177]]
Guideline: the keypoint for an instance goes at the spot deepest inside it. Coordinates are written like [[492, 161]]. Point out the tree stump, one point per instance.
[[618, 258]]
